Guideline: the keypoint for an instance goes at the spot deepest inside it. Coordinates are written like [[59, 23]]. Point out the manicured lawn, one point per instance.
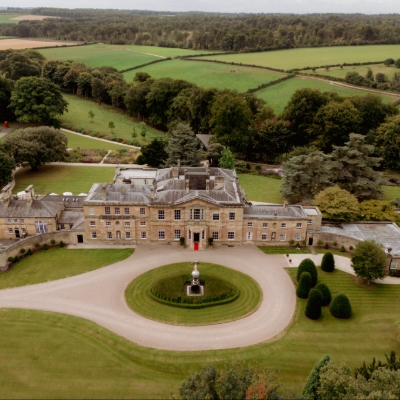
[[56, 263], [87, 142], [53, 355], [277, 96], [138, 298], [204, 74], [313, 57], [77, 116], [391, 192], [283, 250], [62, 178], [261, 188], [334, 252], [117, 56]]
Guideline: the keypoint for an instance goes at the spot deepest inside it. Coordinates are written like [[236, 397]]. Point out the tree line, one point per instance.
[[210, 31]]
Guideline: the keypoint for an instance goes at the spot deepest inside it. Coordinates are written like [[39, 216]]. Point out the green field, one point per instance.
[[204, 74], [56, 263], [6, 37], [50, 355], [261, 188], [86, 142], [313, 57], [117, 56], [277, 96], [338, 72], [77, 115], [62, 178], [284, 250], [5, 18], [391, 192], [138, 299]]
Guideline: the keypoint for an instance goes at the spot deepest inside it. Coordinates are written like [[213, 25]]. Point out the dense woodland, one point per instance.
[[209, 31]]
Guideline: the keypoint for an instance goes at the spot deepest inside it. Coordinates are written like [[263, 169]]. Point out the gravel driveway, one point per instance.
[[99, 297]]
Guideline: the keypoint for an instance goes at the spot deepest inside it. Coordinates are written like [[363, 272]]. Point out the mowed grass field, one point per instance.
[[55, 263], [313, 57], [77, 116], [277, 96], [338, 72], [6, 18], [117, 56], [207, 75], [62, 178], [50, 355]]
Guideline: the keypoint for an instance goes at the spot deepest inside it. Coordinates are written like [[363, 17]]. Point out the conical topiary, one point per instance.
[[328, 262], [341, 307], [307, 265], [325, 292], [304, 285], [313, 308]]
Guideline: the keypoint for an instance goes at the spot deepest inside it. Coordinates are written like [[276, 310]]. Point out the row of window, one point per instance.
[[11, 232], [127, 224], [118, 211], [15, 221], [283, 224]]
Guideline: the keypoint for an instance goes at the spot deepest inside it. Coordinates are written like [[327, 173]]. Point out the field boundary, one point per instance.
[[145, 65], [272, 83]]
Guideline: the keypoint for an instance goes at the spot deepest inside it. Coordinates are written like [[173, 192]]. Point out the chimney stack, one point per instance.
[[103, 191], [187, 185], [207, 185], [29, 195], [7, 193], [179, 163], [285, 205], [152, 193]]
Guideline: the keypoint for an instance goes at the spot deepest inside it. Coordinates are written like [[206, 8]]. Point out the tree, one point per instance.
[[354, 78], [387, 140], [141, 76], [388, 62], [325, 292], [214, 153], [337, 204], [37, 100], [111, 125], [380, 77], [7, 165], [313, 307], [154, 153], [5, 99], [369, 76], [307, 265], [133, 134], [227, 159], [352, 168], [84, 83], [378, 210], [341, 307], [305, 176], [201, 385], [328, 262], [36, 146], [183, 145], [304, 285], [397, 63], [20, 64], [369, 260], [312, 385], [143, 129], [91, 115]]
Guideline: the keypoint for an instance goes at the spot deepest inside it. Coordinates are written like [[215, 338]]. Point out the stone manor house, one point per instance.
[[159, 206]]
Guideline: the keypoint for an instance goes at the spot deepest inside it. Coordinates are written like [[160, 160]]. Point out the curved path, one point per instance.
[[99, 296]]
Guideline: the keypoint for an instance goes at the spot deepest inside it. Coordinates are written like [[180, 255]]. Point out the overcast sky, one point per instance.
[[254, 6]]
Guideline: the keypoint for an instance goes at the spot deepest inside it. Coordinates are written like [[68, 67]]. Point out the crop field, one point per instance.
[[62, 178], [277, 96], [6, 18], [77, 115], [18, 44], [119, 57], [86, 142], [205, 74], [313, 57], [338, 72]]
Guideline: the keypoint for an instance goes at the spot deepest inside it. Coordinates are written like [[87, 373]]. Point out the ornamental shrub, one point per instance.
[[326, 246], [325, 292], [37, 245], [29, 253], [52, 241], [22, 251], [319, 243], [45, 247], [328, 262], [313, 308], [10, 259], [307, 265], [342, 249], [16, 259], [341, 307], [351, 248], [62, 244], [304, 286]]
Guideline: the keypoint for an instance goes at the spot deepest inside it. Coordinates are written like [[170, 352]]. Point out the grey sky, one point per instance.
[[256, 6]]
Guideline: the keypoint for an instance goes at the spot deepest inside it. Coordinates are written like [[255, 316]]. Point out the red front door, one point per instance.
[[196, 246]]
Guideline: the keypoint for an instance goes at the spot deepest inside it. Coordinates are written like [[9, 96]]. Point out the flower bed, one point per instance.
[[88, 156]]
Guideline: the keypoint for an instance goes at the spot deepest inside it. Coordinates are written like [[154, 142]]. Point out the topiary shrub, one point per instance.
[[313, 308], [210, 241], [328, 262], [62, 244], [45, 247], [37, 245], [29, 253], [291, 242], [22, 251], [325, 292], [307, 265], [16, 259], [342, 249], [304, 286], [52, 241], [10, 259], [351, 248], [320, 243], [326, 246], [341, 307]]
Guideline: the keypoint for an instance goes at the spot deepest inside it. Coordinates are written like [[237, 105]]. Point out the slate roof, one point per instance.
[[69, 201], [274, 211], [70, 217], [38, 209]]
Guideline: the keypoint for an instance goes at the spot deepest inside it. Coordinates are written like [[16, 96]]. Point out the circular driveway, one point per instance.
[[99, 297]]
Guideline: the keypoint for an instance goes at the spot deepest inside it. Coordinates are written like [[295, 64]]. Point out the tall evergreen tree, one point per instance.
[[312, 385]]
